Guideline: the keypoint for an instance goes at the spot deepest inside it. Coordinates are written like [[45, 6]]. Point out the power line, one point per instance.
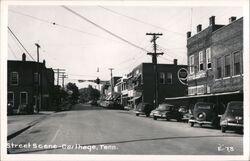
[[63, 26], [140, 21], [12, 51], [104, 29], [20, 43]]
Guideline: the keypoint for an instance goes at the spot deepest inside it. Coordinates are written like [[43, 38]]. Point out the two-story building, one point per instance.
[[30, 85], [141, 83]]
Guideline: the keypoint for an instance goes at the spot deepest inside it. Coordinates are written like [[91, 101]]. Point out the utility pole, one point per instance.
[[38, 102], [63, 76], [59, 71], [111, 82], [154, 61]]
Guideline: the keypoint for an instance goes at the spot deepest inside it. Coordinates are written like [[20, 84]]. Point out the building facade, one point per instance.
[[141, 83], [30, 85], [215, 60]]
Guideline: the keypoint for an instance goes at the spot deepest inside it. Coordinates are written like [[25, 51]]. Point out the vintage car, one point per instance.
[[205, 114], [143, 109], [186, 114], [167, 112], [232, 119]]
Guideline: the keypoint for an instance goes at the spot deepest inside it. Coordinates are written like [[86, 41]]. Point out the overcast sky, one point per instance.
[[80, 47]]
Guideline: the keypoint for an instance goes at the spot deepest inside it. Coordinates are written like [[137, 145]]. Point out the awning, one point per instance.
[[204, 95], [135, 98]]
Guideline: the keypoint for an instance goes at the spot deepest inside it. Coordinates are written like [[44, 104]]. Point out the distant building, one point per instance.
[[140, 83], [215, 63], [30, 85]]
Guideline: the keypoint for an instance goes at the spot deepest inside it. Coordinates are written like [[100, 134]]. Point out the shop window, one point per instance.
[[169, 78], [14, 78], [227, 66], [208, 58], [11, 98], [162, 78], [236, 63], [201, 62], [219, 70]]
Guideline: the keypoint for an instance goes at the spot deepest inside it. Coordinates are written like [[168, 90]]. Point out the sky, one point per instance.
[[69, 41]]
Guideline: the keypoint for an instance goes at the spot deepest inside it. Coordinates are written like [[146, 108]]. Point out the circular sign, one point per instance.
[[182, 75]]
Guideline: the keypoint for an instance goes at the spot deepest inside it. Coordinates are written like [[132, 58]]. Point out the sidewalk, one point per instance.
[[18, 123]]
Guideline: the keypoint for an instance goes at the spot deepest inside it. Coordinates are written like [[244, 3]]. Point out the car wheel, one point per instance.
[[167, 119], [191, 124], [147, 115], [200, 125], [137, 114], [155, 118], [223, 129], [179, 120]]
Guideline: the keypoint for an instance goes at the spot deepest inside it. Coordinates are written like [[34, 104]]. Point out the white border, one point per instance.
[[3, 82]]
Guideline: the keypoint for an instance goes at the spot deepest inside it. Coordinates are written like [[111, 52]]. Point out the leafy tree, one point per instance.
[[74, 91], [87, 94]]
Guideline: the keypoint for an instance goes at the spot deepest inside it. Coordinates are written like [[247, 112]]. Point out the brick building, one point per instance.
[[30, 85], [141, 83]]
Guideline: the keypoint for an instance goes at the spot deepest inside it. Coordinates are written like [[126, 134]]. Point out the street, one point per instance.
[[93, 130]]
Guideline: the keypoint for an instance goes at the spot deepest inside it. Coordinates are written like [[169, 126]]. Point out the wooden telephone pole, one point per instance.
[[154, 61]]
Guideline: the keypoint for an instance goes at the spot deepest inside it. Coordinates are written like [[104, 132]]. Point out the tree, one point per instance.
[[87, 94], [74, 91]]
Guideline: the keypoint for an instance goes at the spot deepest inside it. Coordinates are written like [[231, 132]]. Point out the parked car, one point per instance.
[[232, 119], [167, 112], [143, 109], [205, 113], [186, 114]]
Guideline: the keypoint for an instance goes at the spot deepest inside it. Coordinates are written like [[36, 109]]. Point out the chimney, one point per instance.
[[44, 62], [212, 21], [232, 19], [175, 61], [199, 28], [23, 57], [188, 34]]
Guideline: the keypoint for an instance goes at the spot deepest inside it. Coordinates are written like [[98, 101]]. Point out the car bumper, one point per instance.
[[200, 122], [159, 115], [233, 125]]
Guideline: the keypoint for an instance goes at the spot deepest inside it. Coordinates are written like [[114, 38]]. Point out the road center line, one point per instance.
[[52, 140]]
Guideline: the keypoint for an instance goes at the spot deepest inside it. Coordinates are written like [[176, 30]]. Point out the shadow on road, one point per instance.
[[130, 141]]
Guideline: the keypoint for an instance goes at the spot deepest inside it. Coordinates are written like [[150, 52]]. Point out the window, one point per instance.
[[208, 58], [191, 64], [227, 66], [23, 98], [162, 78], [14, 78], [236, 63], [37, 78], [201, 60], [11, 98], [169, 78], [219, 71]]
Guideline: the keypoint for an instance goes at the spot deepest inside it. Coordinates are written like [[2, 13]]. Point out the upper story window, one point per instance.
[[14, 78], [37, 78], [208, 58], [162, 78], [236, 57], [201, 62], [169, 79], [191, 64], [219, 68], [227, 66]]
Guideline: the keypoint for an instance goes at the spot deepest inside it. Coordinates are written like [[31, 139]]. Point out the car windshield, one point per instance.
[[164, 107]]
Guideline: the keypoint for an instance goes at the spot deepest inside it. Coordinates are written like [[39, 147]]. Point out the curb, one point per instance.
[[29, 125]]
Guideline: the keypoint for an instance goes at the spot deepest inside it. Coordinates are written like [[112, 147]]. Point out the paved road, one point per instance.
[[94, 130]]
